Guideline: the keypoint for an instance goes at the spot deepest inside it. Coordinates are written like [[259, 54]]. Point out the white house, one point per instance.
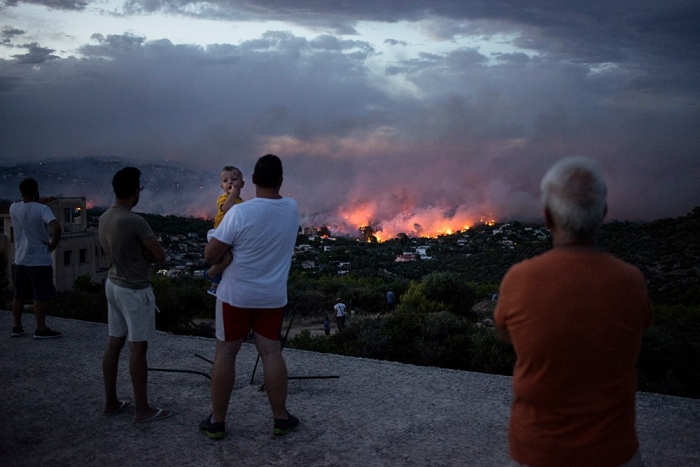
[[422, 251]]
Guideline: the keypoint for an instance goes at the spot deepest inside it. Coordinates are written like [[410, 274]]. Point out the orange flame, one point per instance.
[[200, 214], [430, 222]]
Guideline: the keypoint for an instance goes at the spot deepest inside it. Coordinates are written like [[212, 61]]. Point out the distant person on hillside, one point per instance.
[[390, 300], [575, 317], [252, 295], [130, 247], [327, 327], [340, 314], [33, 270], [232, 183]]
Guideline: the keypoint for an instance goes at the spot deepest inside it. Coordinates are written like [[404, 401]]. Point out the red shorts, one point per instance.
[[233, 323]]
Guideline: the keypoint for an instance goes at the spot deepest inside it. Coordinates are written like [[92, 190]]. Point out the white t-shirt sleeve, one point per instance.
[[47, 215]]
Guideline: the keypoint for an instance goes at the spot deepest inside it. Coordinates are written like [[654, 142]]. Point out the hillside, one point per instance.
[[667, 251]]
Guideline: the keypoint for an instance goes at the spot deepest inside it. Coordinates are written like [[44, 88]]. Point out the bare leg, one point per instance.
[[138, 368], [40, 314], [223, 377], [274, 375], [110, 367], [218, 268], [17, 309]]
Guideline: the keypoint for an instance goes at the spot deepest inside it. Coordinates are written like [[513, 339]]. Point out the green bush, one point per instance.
[[451, 289], [483, 291], [670, 352], [489, 354], [415, 301], [180, 301], [439, 291], [80, 304], [309, 301], [84, 283]]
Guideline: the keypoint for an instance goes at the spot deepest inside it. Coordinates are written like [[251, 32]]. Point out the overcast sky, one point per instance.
[[422, 116]]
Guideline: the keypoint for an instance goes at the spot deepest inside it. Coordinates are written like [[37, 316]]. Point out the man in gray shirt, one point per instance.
[[130, 247]]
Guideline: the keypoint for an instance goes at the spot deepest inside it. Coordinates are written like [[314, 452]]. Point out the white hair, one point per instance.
[[574, 191]]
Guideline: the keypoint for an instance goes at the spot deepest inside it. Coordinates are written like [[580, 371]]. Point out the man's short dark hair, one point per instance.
[[126, 181], [28, 187], [268, 171]]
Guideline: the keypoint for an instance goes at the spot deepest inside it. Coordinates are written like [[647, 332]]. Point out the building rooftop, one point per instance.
[[374, 414]]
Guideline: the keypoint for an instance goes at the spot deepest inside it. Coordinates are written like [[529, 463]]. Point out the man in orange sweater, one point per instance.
[[575, 317]]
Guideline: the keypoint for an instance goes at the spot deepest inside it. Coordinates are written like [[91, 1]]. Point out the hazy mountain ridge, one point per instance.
[[168, 188]]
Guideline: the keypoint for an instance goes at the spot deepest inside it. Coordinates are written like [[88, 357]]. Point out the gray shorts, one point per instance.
[[131, 312]]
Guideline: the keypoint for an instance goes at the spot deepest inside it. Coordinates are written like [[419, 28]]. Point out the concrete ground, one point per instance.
[[375, 414]]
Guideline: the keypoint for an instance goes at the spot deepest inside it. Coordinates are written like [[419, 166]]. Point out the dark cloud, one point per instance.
[[594, 30], [8, 33], [113, 45], [432, 140], [36, 54], [53, 4], [514, 57], [394, 42]]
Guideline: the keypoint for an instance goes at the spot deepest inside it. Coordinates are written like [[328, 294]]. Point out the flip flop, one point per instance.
[[123, 405], [161, 414]]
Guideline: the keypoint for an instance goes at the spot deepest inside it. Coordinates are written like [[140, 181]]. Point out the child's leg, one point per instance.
[[217, 269]]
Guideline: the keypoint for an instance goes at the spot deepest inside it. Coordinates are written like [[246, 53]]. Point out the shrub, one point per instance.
[[451, 289], [483, 291], [429, 339], [84, 283], [670, 351], [489, 354], [80, 304], [308, 301], [415, 301], [180, 301]]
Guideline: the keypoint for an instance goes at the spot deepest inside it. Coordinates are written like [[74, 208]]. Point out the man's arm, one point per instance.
[[154, 252], [56, 232], [214, 250]]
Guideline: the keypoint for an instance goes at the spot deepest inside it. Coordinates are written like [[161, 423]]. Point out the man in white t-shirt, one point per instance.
[[252, 294], [340, 314], [33, 272]]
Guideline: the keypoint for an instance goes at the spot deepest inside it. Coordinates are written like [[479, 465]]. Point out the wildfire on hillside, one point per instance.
[[427, 222], [379, 220], [201, 214]]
